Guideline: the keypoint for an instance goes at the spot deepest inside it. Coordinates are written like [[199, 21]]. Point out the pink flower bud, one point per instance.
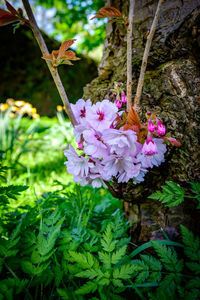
[[80, 146], [151, 127], [149, 113], [149, 147], [123, 97], [118, 103], [160, 128]]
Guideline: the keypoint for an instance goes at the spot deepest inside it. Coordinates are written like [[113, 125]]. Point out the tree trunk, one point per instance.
[[172, 90]]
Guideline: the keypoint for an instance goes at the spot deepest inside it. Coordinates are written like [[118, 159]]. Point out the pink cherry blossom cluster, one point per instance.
[[105, 151]]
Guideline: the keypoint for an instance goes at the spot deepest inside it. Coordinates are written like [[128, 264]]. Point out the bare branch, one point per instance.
[[112, 190], [53, 70], [145, 57], [129, 54]]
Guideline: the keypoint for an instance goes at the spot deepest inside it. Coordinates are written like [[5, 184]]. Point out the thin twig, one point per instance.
[[53, 70], [129, 53], [112, 190], [145, 57]]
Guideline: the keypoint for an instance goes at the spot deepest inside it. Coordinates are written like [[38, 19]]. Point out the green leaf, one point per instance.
[[90, 274], [107, 240], [118, 255], [192, 244], [89, 287], [196, 190], [167, 256], [152, 262], [193, 283], [85, 261], [117, 283], [172, 194], [149, 244], [104, 281], [28, 267], [195, 267], [104, 258], [63, 293], [123, 272]]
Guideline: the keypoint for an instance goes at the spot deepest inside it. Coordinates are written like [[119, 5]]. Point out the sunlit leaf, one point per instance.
[[133, 121], [7, 18], [65, 45], [61, 56], [11, 8], [107, 12]]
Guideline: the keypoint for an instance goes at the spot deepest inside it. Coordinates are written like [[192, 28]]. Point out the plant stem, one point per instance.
[[53, 70], [111, 190], [129, 54], [145, 57]]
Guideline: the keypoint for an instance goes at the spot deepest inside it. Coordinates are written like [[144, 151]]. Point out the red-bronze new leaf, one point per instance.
[[61, 56], [107, 12], [11, 16], [7, 18], [11, 9], [133, 121]]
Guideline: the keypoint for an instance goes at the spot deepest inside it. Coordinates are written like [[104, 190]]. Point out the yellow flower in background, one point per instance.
[[3, 106], [14, 108], [10, 101], [33, 110], [12, 115], [27, 108], [20, 103], [59, 108], [19, 107], [35, 116]]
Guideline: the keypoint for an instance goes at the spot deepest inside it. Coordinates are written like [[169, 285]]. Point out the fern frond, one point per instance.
[[124, 272], [172, 194], [167, 256], [85, 261], [89, 287], [192, 244], [118, 255]]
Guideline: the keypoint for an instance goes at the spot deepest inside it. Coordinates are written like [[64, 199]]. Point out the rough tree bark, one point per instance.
[[172, 90]]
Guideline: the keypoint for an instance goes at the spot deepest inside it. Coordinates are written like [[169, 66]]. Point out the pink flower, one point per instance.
[[77, 165], [123, 97], [151, 126], [115, 166], [101, 115], [149, 147], [160, 128], [118, 103], [120, 142], [126, 175], [80, 109], [148, 161], [93, 144]]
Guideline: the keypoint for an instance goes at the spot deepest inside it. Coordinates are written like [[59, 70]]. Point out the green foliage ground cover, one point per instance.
[[62, 241]]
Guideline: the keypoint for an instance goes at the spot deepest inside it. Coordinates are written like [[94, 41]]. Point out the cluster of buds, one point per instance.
[[154, 129], [120, 95], [19, 107]]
